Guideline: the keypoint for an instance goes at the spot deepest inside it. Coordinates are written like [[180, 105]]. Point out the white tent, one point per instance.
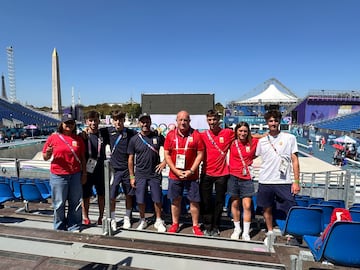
[[270, 95]]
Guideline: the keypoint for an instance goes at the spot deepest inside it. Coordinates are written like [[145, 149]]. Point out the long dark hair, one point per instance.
[[243, 124], [60, 128]]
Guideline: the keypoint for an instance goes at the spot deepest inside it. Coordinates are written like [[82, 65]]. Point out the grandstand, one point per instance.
[[15, 115], [346, 123]]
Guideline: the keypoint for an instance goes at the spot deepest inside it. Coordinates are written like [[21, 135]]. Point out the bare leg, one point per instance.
[[235, 208], [175, 210], [158, 207], [101, 204], [195, 211], [268, 218], [85, 208]]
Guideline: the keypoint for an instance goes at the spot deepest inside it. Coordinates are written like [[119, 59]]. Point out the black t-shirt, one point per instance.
[[146, 151], [96, 140]]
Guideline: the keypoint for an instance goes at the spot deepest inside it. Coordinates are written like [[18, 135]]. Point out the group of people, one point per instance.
[[217, 159]]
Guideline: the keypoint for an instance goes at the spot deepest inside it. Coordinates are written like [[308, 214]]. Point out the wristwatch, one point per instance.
[[191, 171]]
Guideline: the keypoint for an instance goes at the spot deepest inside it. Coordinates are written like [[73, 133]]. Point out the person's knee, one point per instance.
[[176, 201]]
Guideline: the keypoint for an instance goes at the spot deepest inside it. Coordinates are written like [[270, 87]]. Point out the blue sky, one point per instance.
[[114, 50]]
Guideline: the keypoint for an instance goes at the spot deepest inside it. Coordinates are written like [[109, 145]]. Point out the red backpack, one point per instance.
[[338, 214]]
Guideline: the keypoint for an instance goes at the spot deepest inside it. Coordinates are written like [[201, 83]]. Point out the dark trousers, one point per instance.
[[211, 209]]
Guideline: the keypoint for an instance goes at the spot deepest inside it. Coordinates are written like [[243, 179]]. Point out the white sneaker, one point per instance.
[[142, 225], [269, 236], [236, 234], [126, 223], [245, 237], [160, 226], [113, 225]]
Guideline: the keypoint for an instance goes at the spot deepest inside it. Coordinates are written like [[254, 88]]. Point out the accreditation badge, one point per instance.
[[154, 141], [180, 161], [90, 165]]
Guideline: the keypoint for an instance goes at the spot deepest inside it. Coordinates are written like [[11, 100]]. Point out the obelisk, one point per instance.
[[3, 90], [56, 91]]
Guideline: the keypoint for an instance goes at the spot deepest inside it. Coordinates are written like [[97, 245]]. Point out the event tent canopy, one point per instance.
[[270, 95]]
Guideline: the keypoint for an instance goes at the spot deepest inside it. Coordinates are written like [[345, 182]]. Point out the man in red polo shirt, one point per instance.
[[215, 171], [183, 151]]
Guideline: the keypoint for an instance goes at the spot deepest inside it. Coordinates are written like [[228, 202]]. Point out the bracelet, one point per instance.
[[132, 176], [296, 181], [191, 171]]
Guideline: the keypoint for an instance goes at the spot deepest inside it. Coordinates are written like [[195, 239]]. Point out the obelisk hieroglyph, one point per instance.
[[56, 91]]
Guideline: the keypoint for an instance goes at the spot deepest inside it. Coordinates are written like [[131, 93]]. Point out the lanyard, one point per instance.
[[214, 143], [177, 141], [71, 149], [240, 155], [272, 145], [118, 140], [148, 144], [98, 148]]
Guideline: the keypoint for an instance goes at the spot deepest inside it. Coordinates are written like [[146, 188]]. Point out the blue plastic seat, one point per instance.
[[43, 189], [314, 200], [340, 202], [302, 201], [356, 208], [327, 211], [6, 193], [31, 193], [340, 246], [355, 215], [16, 187], [336, 204], [302, 221]]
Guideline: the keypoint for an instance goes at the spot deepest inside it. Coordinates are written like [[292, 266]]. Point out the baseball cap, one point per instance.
[[67, 118], [143, 116]]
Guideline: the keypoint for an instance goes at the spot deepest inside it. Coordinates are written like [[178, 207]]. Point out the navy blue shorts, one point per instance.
[[121, 177], [278, 194], [97, 180], [241, 188], [176, 189], [142, 188]]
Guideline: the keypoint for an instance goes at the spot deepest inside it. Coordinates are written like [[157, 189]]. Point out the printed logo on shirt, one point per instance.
[[191, 139], [155, 141], [221, 139], [74, 143]]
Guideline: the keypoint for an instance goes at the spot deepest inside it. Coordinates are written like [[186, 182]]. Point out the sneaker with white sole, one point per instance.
[[160, 226], [245, 237], [113, 225], [269, 239], [236, 234], [126, 222], [142, 225]]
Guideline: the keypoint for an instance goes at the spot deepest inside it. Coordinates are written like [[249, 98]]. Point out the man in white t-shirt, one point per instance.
[[278, 151]]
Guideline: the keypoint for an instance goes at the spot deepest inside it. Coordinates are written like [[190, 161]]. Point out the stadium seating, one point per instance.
[[31, 193], [6, 193], [340, 246], [25, 114], [355, 215], [348, 123], [302, 221]]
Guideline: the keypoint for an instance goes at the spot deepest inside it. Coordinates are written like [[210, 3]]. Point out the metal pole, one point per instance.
[[107, 219], [327, 186], [347, 187]]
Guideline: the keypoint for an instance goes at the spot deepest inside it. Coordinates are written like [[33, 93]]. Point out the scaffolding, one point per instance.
[[11, 73]]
